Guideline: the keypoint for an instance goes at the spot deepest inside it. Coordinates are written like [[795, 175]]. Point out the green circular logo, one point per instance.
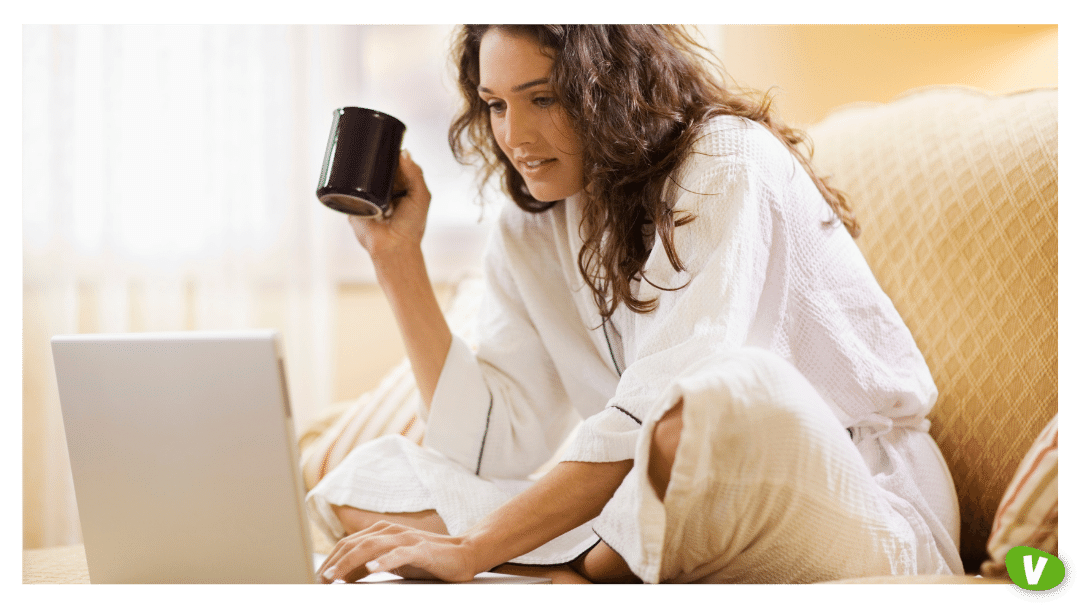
[[1033, 569], [1038, 576]]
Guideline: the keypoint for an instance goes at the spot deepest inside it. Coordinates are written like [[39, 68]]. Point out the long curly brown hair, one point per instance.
[[638, 96]]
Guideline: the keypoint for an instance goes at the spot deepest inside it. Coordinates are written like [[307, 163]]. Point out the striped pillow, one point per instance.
[[1028, 514]]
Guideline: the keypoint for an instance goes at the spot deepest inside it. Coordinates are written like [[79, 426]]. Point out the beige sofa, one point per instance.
[[956, 191], [957, 194]]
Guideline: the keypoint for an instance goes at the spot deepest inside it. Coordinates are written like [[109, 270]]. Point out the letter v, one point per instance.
[[1033, 575]]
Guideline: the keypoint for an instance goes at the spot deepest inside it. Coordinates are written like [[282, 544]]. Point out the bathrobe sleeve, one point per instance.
[[502, 410]]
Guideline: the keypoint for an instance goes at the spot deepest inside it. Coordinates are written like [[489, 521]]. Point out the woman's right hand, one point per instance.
[[398, 549], [404, 228], [394, 246]]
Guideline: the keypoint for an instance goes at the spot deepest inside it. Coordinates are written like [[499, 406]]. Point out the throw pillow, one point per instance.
[[1028, 514]]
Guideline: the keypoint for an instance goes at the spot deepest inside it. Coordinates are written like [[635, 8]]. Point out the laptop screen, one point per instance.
[[184, 457]]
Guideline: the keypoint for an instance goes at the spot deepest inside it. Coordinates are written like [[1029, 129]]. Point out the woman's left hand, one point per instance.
[[400, 550]]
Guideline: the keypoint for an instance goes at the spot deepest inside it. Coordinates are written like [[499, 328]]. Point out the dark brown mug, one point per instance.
[[361, 160]]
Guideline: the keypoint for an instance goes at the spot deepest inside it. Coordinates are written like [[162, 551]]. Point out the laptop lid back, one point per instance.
[[183, 457]]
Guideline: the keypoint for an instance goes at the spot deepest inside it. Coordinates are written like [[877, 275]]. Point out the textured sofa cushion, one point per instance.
[[1028, 515], [956, 191]]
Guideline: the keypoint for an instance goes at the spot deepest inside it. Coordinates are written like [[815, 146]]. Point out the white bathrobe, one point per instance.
[[768, 268]]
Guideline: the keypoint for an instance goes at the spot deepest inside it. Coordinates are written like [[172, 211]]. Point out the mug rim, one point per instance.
[[375, 114]]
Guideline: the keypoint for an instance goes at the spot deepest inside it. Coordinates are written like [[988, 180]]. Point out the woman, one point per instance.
[[675, 277]]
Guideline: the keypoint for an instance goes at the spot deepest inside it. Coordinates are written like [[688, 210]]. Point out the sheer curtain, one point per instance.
[[168, 179]]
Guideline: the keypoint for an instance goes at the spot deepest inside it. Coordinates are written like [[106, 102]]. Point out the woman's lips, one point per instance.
[[535, 166]]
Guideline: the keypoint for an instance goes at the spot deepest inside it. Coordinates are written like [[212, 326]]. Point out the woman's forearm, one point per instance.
[[568, 496], [404, 279]]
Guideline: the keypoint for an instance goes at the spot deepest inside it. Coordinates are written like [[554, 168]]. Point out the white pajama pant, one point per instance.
[[766, 487]]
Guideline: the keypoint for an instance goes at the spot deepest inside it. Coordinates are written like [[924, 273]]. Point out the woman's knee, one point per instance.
[[750, 388], [664, 444]]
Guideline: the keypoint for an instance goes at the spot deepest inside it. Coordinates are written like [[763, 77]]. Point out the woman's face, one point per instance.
[[529, 126]]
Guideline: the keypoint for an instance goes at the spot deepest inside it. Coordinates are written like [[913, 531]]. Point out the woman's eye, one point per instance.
[[496, 107], [544, 102]]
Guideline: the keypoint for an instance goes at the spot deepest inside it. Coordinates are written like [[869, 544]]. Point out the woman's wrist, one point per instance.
[[478, 551], [394, 263]]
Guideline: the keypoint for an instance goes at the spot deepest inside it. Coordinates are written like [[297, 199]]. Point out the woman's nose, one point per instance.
[[519, 129]]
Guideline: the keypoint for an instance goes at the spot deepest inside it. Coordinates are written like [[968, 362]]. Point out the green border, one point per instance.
[[201, 11]]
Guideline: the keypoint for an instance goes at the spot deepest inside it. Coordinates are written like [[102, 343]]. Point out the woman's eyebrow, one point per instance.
[[518, 88]]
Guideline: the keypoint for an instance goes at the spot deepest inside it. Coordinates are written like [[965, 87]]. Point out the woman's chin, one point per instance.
[[550, 195]]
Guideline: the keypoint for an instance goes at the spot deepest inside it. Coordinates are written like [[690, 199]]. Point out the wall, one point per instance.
[[819, 67], [366, 339]]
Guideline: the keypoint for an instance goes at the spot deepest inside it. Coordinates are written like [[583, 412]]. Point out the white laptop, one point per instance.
[[185, 461], [184, 457]]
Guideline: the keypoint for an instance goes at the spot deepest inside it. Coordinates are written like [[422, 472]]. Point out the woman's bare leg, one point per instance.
[[603, 565], [355, 520], [559, 575], [665, 442]]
